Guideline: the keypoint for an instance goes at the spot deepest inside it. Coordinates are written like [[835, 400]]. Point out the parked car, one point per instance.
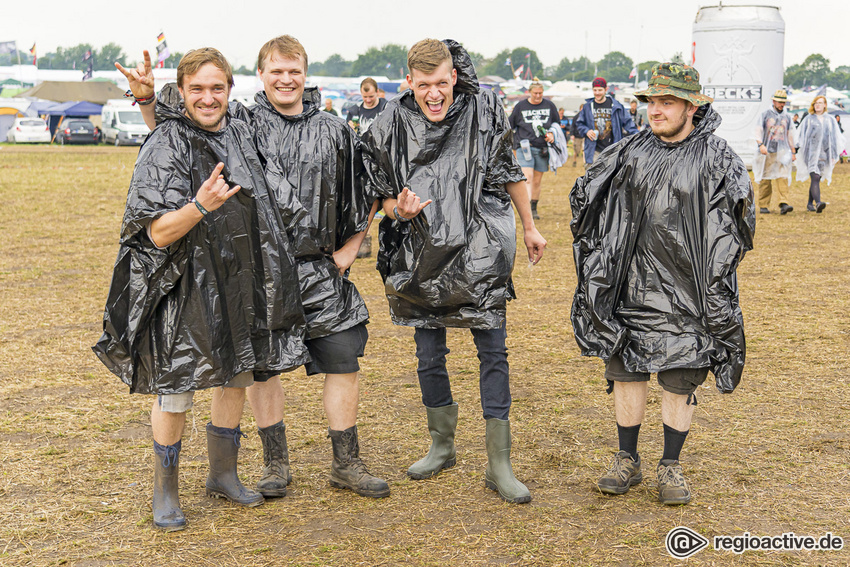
[[123, 124], [77, 131], [29, 130]]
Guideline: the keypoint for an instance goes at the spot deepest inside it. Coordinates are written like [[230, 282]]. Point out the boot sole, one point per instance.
[[367, 493], [170, 528], [280, 493], [447, 465], [618, 491], [521, 500], [219, 494], [674, 501]]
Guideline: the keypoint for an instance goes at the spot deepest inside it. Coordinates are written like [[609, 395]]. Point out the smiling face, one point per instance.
[[434, 91], [205, 95], [670, 118], [599, 94], [283, 81]]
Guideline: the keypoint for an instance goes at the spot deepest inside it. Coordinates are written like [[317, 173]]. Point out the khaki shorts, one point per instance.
[[181, 403], [682, 381]]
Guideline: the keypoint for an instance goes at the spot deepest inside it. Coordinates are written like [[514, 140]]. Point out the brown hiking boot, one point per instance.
[[672, 486], [348, 471], [623, 474]]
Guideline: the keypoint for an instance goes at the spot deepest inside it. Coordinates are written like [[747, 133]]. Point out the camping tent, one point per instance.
[[77, 109], [91, 91]]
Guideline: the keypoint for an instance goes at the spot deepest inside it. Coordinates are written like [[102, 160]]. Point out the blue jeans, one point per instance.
[[493, 382]]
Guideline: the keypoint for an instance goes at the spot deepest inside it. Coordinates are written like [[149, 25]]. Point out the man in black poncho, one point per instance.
[[661, 222], [313, 161], [204, 291], [446, 145]]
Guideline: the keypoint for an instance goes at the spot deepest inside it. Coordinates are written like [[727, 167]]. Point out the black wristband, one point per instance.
[[398, 217], [200, 207]]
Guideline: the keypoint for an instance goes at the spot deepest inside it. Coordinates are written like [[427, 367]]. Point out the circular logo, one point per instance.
[[683, 542]]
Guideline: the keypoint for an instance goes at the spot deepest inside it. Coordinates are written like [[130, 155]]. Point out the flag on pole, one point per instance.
[[32, 52], [87, 56], [508, 62], [162, 52], [634, 72], [528, 55], [518, 71], [8, 46]]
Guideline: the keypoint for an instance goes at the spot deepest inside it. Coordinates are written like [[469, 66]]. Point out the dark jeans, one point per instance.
[[493, 383]]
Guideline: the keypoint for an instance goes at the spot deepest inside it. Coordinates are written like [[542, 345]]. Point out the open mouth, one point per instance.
[[435, 107]]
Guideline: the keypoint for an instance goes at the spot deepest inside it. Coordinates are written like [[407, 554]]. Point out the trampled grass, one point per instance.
[[76, 458]]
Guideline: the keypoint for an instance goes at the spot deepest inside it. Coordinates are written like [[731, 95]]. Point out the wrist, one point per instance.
[[398, 216], [200, 207]]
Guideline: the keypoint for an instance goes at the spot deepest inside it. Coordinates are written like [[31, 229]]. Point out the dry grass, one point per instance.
[[76, 458]]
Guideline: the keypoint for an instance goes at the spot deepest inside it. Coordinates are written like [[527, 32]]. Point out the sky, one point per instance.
[[553, 28]]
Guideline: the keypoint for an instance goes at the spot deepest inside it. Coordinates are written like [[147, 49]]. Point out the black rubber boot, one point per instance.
[[500, 474], [534, 214], [167, 514], [223, 482], [276, 475], [348, 471], [442, 423]]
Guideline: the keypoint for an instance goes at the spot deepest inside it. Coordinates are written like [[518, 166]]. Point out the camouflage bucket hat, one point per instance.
[[674, 79]]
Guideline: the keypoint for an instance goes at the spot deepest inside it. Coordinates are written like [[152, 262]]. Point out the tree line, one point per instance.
[[391, 61]]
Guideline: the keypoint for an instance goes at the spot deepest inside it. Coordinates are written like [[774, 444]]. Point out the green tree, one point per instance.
[[496, 66], [333, 66], [389, 60], [106, 57], [615, 67]]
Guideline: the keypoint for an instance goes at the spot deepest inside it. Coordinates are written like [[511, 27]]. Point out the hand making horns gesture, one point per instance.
[[141, 78], [215, 191]]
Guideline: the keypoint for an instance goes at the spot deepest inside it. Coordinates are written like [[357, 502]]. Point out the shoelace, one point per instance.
[[672, 475], [170, 457], [237, 435]]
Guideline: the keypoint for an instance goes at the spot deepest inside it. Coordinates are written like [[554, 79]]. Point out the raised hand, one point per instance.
[[141, 78], [409, 204], [215, 191]]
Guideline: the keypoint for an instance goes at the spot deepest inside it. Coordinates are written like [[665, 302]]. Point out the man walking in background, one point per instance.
[[602, 121]]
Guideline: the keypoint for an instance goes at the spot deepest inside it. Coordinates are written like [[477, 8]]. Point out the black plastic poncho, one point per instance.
[[451, 266], [221, 300], [659, 232], [319, 156]]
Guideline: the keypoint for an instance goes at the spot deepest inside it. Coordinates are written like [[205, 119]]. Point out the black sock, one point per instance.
[[533, 205], [629, 439], [673, 443]]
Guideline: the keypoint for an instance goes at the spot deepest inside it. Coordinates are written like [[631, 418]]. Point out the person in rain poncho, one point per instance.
[[772, 165], [441, 157], [660, 223], [821, 144], [315, 158], [204, 291]]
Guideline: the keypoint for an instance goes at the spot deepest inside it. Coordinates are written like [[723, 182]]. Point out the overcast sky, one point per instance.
[[555, 29]]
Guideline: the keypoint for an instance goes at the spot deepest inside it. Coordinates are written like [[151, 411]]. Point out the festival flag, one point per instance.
[[32, 52], [87, 56], [508, 62], [634, 72], [528, 55], [389, 65], [8, 46], [162, 52], [518, 71]]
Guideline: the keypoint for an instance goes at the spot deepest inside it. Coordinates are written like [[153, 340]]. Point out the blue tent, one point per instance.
[[56, 111]]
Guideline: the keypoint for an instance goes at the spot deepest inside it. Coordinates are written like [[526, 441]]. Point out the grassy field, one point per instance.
[[76, 455]]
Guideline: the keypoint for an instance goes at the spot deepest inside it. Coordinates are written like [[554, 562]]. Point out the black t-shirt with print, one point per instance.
[[525, 118], [602, 122], [367, 115]]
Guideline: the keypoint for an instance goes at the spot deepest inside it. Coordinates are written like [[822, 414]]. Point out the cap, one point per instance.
[[675, 79], [600, 82]]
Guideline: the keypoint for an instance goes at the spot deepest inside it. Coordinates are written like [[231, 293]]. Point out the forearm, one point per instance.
[[173, 226], [389, 206], [519, 196], [148, 113], [355, 241]]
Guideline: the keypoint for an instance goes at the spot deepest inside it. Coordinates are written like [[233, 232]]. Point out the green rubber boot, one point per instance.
[[500, 475], [442, 423]]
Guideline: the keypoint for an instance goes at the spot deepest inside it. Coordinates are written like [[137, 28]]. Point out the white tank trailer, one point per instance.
[[738, 51]]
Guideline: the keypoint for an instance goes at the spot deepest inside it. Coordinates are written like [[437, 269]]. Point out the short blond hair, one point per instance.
[[812, 106], [427, 55], [285, 46], [197, 58], [368, 84]]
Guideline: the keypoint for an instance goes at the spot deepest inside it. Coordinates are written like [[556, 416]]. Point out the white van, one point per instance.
[[122, 123]]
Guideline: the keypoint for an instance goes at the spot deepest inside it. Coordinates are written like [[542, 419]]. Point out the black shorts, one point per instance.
[[682, 381], [337, 353]]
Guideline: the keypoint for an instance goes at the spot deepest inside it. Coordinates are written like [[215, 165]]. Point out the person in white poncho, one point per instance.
[[772, 165], [821, 144]]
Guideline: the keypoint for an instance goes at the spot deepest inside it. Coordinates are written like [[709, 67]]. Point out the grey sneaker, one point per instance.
[[672, 487], [623, 474]]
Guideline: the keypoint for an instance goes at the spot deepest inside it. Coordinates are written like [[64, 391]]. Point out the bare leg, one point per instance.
[[226, 407], [267, 401], [167, 427], [675, 411], [341, 396], [536, 179], [630, 402]]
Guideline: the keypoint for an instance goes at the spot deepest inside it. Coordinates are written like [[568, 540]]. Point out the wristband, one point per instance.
[[398, 217], [145, 101], [200, 207]]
